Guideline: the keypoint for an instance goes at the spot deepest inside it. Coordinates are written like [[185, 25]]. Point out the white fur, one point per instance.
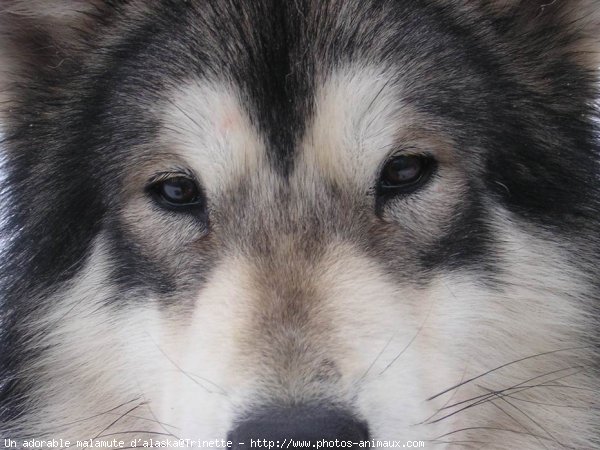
[[207, 125]]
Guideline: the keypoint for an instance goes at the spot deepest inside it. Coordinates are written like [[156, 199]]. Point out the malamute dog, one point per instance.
[[343, 222]]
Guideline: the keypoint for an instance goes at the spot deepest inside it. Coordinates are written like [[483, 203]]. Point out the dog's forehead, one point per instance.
[[357, 118], [312, 93]]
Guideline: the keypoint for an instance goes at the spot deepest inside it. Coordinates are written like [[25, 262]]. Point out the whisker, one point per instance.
[[378, 94], [162, 424], [364, 375], [566, 386], [517, 422], [186, 114], [447, 401], [494, 429], [188, 375], [125, 414], [528, 416], [554, 405], [518, 385], [488, 396], [409, 342], [506, 365], [99, 414], [148, 419]]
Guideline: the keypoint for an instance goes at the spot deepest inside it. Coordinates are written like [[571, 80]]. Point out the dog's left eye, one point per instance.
[[404, 174], [176, 192]]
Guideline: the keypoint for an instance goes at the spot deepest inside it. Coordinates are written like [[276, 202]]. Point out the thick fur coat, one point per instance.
[[305, 289]]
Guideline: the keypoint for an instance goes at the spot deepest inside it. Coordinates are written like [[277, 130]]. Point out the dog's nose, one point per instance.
[[313, 423]]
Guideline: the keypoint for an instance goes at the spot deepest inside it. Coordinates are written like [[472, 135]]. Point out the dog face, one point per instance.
[[315, 220]]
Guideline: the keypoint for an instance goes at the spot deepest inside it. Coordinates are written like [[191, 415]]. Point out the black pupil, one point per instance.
[[403, 170], [179, 191]]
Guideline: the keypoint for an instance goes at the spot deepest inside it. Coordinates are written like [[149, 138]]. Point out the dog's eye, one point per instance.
[[176, 192], [404, 174]]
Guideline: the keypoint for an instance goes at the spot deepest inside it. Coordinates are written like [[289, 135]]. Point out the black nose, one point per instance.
[[314, 423]]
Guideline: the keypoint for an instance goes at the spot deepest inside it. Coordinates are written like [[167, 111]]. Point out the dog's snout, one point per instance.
[[315, 423]]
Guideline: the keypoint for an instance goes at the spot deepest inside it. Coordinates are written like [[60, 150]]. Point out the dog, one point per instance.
[[338, 223]]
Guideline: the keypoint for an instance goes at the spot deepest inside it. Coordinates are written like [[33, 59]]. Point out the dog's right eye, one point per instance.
[[176, 192], [404, 174]]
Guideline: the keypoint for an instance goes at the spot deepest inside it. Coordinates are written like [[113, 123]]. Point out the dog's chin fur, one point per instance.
[[463, 313]]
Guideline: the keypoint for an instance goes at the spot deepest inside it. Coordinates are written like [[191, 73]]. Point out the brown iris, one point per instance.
[[406, 173], [176, 191]]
